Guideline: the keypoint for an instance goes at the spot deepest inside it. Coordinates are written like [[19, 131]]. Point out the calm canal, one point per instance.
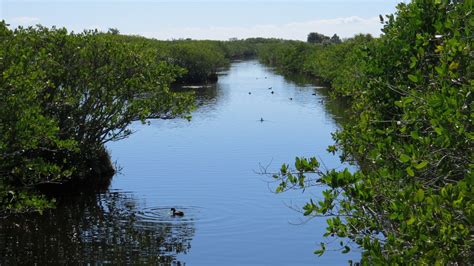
[[208, 168]]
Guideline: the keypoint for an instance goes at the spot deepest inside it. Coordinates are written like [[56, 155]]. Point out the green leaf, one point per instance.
[[410, 171], [421, 165], [319, 252], [444, 192], [408, 100], [420, 195], [411, 221], [413, 78], [404, 158], [283, 169], [440, 70], [346, 249], [413, 62], [457, 203]]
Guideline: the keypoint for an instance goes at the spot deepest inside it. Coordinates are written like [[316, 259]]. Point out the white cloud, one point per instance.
[[344, 27], [25, 20]]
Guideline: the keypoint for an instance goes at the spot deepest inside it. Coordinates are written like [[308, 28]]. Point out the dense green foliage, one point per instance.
[[288, 56], [339, 64], [315, 37], [411, 201], [244, 49], [199, 59], [63, 96]]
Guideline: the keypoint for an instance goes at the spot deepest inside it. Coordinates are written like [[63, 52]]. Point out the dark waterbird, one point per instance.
[[177, 213], [261, 119], [272, 92]]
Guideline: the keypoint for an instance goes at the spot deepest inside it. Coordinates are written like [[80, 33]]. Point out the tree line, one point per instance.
[[410, 132]]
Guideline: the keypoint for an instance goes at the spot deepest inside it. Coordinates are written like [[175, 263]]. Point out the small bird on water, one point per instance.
[[261, 119], [272, 92], [177, 213]]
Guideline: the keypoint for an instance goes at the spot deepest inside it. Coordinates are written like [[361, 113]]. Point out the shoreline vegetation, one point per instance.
[[64, 95], [410, 131]]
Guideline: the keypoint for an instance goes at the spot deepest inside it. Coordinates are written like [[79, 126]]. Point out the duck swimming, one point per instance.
[[177, 213]]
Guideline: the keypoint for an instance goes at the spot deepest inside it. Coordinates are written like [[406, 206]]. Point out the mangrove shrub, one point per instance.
[[64, 95], [411, 200]]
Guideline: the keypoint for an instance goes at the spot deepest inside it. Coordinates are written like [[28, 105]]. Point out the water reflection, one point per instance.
[[206, 94], [106, 228], [210, 162], [336, 109], [204, 167]]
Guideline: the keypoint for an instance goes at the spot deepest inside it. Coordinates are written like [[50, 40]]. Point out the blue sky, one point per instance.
[[204, 19]]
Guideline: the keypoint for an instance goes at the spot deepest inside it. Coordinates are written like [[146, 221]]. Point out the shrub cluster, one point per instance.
[[64, 95], [412, 200]]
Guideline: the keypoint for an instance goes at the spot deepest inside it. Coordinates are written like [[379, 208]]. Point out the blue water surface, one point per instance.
[[210, 167]]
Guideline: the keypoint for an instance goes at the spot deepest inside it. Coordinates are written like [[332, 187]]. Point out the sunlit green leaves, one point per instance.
[[413, 78], [321, 251], [410, 171], [64, 95], [420, 195], [410, 133], [421, 165], [404, 158]]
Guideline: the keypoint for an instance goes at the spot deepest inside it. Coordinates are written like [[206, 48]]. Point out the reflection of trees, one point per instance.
[[206, 94], [335, 107], [107, 228]]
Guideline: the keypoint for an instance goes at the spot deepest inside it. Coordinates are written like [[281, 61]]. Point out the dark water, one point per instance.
[[209, 169]]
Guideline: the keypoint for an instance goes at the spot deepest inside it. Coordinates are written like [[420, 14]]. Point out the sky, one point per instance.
[[215, 20]]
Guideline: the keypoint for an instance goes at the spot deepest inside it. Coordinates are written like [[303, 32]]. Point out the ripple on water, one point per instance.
[[163, 214], [227, 216]]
